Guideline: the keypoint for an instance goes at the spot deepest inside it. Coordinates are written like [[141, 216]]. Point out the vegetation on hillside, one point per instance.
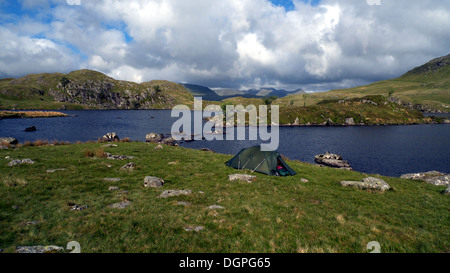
[[87, 89]]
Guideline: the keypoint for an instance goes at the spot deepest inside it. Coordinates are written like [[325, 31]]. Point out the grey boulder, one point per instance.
[[153, 182], [370, 183]]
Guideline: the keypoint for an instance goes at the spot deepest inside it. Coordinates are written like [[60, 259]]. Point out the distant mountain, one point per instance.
[[221, 94], [88, 89], [202, 91]]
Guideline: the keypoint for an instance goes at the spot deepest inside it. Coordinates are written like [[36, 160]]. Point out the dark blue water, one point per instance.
[[386, 150]]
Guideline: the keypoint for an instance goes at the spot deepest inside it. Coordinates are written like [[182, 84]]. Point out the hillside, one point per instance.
[[425, 88], [68, 193], [87, 89]]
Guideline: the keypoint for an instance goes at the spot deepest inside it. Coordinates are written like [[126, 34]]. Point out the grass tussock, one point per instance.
[[14, 182], [99, 153], [31, 114]]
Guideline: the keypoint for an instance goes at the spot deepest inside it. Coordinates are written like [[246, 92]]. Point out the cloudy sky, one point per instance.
[[316, 45]]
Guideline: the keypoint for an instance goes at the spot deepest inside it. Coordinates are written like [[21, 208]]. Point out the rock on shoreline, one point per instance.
[[434, 177], [332, 160]]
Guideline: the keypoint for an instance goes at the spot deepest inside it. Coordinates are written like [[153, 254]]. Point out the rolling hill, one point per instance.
[[425, 88], [88, 89]]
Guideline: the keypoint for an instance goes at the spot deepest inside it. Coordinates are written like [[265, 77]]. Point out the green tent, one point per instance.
[[254, 159]]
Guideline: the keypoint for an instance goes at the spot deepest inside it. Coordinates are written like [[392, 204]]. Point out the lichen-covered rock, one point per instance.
[[332, 160], [350, 121], [433, 177], [169, 141], [129, 167], [39, 249], [111, 137], [196, 228], [153, 182], [16, 162], [120, 205], [118, 157], [242, 177], [171, 193], [215, 207], [370, 183], [153, 137]]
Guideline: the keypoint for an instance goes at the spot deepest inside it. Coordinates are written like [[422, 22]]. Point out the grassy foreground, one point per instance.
[[269, 215]]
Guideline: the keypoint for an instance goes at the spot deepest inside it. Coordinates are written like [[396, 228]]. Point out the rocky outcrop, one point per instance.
[[350, 122], [111, 137], [370, 183], [434, 177], [332, 160], [30, 129], [39, 249], [16, 162], [153, 137], [94, 90]]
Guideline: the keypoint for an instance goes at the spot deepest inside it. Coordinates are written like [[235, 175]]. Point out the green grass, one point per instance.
[[272, 214]]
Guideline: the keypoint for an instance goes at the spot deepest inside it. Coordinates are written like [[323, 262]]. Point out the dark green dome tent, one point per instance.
[[254, 159]]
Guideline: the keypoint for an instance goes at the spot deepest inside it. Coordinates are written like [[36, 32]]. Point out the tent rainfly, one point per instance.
[[269, 163]]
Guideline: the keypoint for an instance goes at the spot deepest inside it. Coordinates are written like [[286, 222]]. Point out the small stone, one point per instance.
[[120, 205], [304, 180], [112, 179], [215, 207], [153, 182], [128, 167], [196, 229], [446, 191], [173, 163], [159, 147], [79, 208], [31, 223], [242, 177], [55, 170], [113, 188], [171, 193], [183, 203], [118, 157], [110, 146]]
